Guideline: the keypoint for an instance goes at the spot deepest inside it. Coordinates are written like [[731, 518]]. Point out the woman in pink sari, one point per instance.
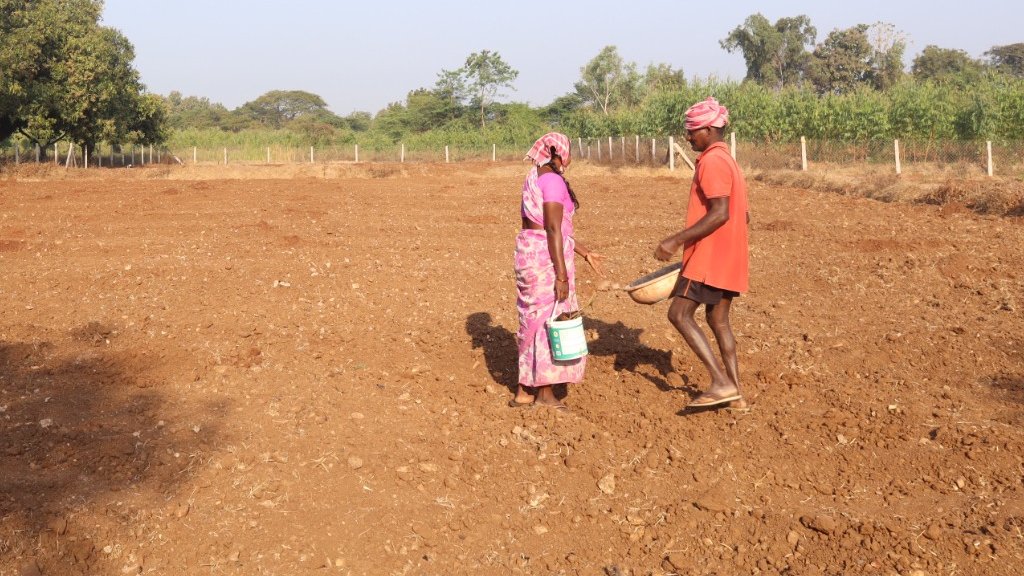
[[545, 271]]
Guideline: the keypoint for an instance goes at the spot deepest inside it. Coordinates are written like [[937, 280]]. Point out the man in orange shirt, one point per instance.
[[715, 253]]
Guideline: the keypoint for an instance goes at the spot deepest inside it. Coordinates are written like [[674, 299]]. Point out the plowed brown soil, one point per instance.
[[309, 374]]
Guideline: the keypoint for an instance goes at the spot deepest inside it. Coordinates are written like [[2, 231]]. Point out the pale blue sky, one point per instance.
[[363, 55]]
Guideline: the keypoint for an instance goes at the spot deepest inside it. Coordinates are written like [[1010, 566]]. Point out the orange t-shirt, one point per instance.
[[720, 259]]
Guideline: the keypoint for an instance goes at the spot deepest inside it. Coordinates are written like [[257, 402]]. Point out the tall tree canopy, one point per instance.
[[62, 75], [843, 61], [776, 54], [1008, 59], [887, 48], [607, 81], [485, 74], [935, 63], [279, 107]]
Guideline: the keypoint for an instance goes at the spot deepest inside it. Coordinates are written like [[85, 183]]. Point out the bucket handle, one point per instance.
[[554, 310]]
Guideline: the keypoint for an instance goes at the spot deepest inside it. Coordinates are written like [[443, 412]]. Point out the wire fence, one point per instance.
[[965, 157]]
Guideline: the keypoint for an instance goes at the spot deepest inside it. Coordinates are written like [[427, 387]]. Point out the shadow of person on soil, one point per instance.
[[613, 339], [501, 352], [77, 424]]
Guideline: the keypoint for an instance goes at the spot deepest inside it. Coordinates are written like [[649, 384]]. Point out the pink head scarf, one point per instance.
[[540, 153], [707, 113]]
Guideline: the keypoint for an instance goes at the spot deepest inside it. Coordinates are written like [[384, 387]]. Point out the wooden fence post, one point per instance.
[[803, 154], [579, 141], [598, 149], [622, 142], [988, 146], [671, 153], [637, 148], [896, 150]]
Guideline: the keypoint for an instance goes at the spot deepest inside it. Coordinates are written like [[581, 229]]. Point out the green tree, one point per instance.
[[277, 108], [776, 55], [662, 78], [62, 75], [843, 61], [184, 112], [1008, 59], [888, 46], [607, 81], [485, 74], [935, 63]]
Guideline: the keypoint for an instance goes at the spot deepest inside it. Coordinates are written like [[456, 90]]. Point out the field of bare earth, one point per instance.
[[305, 370]]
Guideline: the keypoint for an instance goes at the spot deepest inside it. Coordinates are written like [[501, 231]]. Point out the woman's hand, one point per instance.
[[594, 259], [561, 289]]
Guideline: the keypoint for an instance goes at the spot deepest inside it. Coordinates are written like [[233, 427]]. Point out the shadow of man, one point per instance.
[[623, 342]]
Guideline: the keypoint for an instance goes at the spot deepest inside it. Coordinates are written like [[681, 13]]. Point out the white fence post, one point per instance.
[[194, 149], [17, 153], [623, 143], [225, 157], [357, 153], [803, 154], [637, 148], [310, 154], [598, 149], [732, 144], [401, 158], [654, 147], [268, 154], [580, 142], [671, 153], [494, 152], [988, 146], [610, 155], [896, 150], [446, 154], [39, 153], [55, 155]]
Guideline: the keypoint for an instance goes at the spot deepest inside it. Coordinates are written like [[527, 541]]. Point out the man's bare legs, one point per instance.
[[724, 382]]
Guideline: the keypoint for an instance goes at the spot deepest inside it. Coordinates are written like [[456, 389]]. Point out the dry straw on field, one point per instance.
[[928, 184]]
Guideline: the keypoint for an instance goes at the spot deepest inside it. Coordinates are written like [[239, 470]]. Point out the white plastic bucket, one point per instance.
[[568, 341]]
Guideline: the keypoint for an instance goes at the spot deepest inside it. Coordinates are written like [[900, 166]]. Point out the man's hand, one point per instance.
[[666, 249]]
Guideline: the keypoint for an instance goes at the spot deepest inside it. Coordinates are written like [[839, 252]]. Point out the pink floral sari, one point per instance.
[[535, 286]]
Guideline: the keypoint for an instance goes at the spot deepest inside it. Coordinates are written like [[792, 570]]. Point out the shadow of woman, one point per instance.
[[499, 345], [613, 339]]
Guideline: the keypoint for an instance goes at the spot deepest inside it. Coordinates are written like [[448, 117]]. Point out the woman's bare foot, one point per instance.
[[546, 397], [523, 396]]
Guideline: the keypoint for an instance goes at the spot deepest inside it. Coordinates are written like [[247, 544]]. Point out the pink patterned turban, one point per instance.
[[541, 151], [707, 113]]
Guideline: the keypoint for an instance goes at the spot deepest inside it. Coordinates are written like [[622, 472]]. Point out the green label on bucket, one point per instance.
[[568, 341]]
